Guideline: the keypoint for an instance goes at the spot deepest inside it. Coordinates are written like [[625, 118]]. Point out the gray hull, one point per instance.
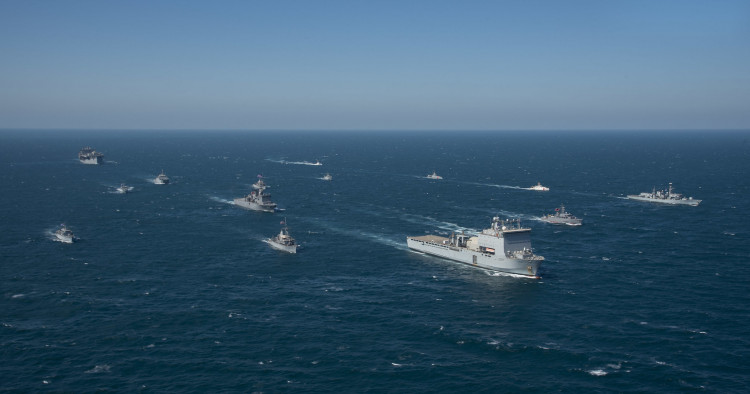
[[684, 201], [242, 202], [91, 160], [282, 247]]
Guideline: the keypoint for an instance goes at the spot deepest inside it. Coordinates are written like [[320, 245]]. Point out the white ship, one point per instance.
[[539, 187], [257, 201], [283, 241], [327, 177], [317, 163], [64, 234], [88, 155], [161, 179], [562, 217], [504, 247], [434, 175], [665, 197], [124, 189]]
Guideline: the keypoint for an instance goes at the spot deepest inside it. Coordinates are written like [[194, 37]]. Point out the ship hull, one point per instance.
[[64, 239], [692, 203], [563, 221], [476, 259], [91, 160], [241, 202], [282, 248]]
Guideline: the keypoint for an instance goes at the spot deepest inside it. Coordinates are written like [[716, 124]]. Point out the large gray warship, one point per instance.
[[562, 217], [257, 201], [667, 196], [504, 247], [88, 155]]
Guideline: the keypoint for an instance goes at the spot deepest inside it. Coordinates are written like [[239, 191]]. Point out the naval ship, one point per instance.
[[667, 196], [257, 201], [283, 241], [161, 179], [88, 155], [562, 217], [504, 247], [64, 234]]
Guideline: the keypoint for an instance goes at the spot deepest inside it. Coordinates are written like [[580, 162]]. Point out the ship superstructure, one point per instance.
[[504, 247], [667, 196], [88, 155]]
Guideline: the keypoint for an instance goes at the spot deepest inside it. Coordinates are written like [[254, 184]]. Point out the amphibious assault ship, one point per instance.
[[667, 196], [504, 247], [88, 155], [257, 201]]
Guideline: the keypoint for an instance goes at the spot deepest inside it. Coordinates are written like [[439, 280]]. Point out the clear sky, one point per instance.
[[378, 64]]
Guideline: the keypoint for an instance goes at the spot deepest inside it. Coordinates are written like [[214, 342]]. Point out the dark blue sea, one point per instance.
[[172, 289]]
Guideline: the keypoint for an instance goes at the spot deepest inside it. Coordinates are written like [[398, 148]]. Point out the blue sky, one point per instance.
[[375, 65]]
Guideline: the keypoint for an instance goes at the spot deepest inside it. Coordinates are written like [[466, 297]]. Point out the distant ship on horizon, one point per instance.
[[88, 155]]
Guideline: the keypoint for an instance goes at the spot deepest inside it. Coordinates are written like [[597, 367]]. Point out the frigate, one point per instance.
[[283, 241], [504, 247], [161, 179], [562, 217], [88, 155], [64, 234], [257, 201], [667, 196]]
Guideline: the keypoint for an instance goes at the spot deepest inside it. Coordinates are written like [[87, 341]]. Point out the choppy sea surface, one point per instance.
[[171, 288]]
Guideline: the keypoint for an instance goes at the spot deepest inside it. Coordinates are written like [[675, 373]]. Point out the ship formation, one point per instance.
[[504, 247], [88, 155]]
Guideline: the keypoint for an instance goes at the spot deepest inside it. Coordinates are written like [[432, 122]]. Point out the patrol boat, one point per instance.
[[327, 177], [434, 175], [539, 187], [283, 241], [123, 188], [257, 201], [562, 217], [64, 234], [88, 155], [504, 247], [161, 179], [667, 196]]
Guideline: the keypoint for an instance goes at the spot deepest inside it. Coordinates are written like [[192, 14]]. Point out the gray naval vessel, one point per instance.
[[88, 155], [257, 201], [504, 247], [283, 241], [562, 217], [667, 196]]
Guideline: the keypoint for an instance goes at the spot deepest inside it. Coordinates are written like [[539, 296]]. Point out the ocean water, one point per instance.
[[171, 288]]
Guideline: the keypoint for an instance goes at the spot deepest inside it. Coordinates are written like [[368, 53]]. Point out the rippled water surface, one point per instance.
[[171, 288]]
